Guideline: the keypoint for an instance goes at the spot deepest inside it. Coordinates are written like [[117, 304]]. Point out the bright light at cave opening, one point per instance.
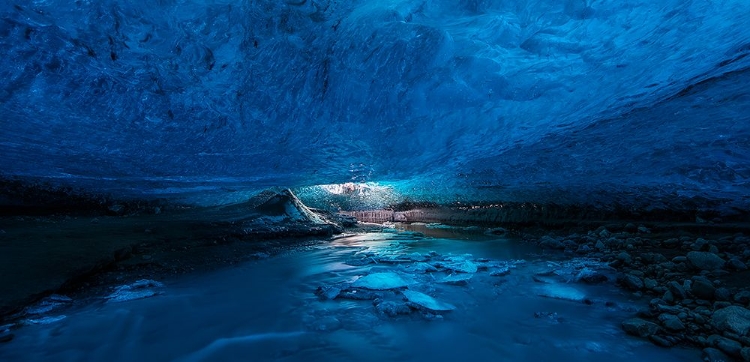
[[357, 189]]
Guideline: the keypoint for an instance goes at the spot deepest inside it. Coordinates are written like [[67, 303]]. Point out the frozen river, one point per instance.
[[508, 301]]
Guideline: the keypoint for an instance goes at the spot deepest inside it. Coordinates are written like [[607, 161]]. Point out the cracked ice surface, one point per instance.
[[488, 99]]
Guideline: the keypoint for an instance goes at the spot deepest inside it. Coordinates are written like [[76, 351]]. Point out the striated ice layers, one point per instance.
[[528, 100]]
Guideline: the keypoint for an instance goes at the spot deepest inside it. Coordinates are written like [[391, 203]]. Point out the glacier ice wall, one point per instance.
[[484, 99]]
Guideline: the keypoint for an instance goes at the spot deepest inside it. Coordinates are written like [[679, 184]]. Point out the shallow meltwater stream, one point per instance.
[[488, 298]]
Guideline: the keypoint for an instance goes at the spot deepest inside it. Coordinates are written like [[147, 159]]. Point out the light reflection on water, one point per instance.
[[267, 310]]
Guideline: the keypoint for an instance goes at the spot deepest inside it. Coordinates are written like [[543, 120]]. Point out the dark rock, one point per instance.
[[745, 353], [631, 282], [722, 294], [328, 292], [344, 220], [668, 297], [549, 242], [679, 259], [678, 292], [660, 341], [714, 355], [625, 258], [668, 266], [639, 327], [671, 243], [357, 294], [721, 305], [116, 209], [702, 288], [393, 309], [726, 345], [742, 297], [699, 245], [649, 283], [704, 260], [671, 322], [589, 276], [653, 258], [732, 319], [737, 264]]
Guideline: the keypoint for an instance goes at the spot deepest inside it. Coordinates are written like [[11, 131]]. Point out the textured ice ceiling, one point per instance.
[[556, 99]]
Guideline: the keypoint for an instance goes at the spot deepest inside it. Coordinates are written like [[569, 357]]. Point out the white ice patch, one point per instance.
[[559, 291], [427, 302], [380, 281], [143, 288], [45, 320]]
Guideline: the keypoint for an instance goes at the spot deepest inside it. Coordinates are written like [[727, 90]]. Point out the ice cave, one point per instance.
[[375, 180]]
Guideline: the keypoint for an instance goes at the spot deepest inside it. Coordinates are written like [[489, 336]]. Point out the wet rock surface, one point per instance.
[[697, 284]]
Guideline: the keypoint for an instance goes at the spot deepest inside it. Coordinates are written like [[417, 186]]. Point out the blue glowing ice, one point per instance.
[[442, 99]]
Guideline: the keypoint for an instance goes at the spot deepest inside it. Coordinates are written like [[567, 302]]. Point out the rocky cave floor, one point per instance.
[[694, 287]]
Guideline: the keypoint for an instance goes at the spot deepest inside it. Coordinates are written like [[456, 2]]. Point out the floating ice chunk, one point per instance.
[[381, 281], [416, 257], [463, 267], [457, 279], [500, 272], [436, 225], [424, 268], [427, 302], [559, 291]]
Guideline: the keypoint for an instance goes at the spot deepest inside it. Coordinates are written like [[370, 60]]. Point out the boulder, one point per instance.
[[742, 297], [590, 276], [549, 242], [745, 353], [671, 322], [702, 288], [631, 282], [726, 345], [714, 355], [392, 309], [737, 264], [639, 327], [678, 292], [732, 319], [704, 260]]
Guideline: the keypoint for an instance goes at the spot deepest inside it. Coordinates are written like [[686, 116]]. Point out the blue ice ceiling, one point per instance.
[[443, 99]]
